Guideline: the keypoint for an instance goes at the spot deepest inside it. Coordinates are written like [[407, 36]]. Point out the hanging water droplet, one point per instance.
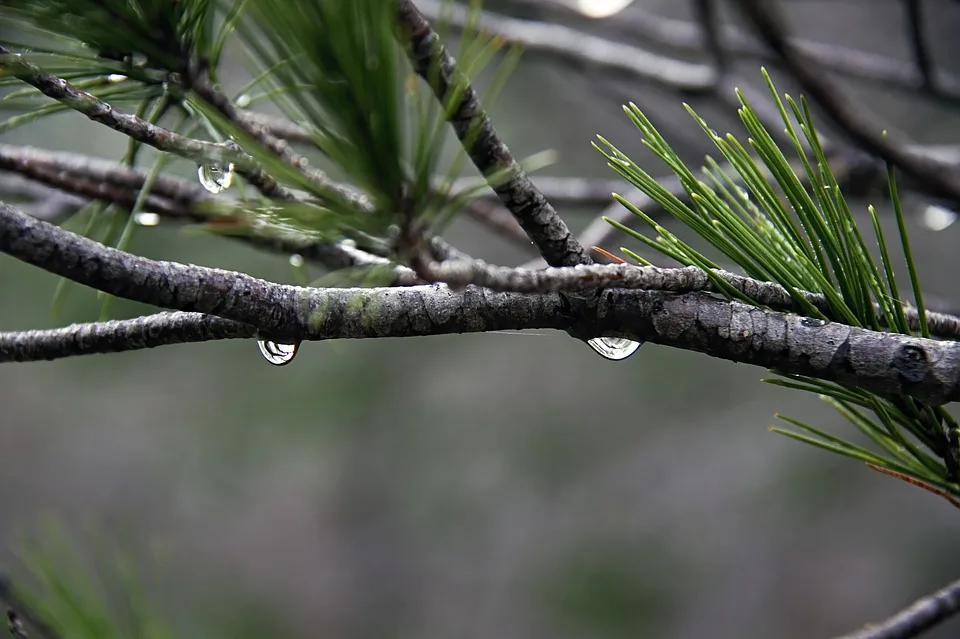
[[614, 348], [938, 218], [296, 260], [215, 177], [276, 353], [147, 219]]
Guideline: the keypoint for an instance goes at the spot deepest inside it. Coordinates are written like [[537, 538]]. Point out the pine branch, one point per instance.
[[280, 147], [489, 154], [118, 336], [895, 364], [174, 199], [937, 178], [138, 129], [461, 273], [581, 47], [18, 611], [43, 202], [921, 616]]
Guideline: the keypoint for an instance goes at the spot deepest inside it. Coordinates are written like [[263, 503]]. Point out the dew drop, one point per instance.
[[147, 219], [296, 260], [116, 78], [215, 177], [614, 348], [938, 218], [276, 353], [244, 100]]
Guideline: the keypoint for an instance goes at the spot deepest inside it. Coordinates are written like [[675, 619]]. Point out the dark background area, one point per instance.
[[494, 485]]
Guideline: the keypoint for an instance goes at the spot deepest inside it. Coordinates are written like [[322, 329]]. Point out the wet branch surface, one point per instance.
[[926, 369]]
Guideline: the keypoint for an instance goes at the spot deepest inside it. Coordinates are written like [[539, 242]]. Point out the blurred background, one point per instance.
[[494, 485]]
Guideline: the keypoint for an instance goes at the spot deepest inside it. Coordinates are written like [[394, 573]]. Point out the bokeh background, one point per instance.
[[498, 485]]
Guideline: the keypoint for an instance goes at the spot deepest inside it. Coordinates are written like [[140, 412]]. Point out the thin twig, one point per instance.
[[281, 148], [18, 611], [708, 14], [118, 336], [939, 179], [922, 615], [489, 154], [918, 43], [138, 129], [582, 48], [174, 199]]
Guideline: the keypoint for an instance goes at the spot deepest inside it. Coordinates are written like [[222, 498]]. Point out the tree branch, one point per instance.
[[118, 336], [171, 198], [17, 611], [489, 154], [939, 179], [138, 129], [922, 615], [582, 48], [926, 369]]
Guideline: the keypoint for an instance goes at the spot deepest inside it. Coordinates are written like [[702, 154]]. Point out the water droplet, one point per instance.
[[938, 218], [276, 353], [147, 219], [614, 348], [215, 177], [813, 322], [116, 78], [243, 100], [296, 261]]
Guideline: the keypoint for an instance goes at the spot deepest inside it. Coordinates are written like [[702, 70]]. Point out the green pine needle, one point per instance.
[[786, 221]]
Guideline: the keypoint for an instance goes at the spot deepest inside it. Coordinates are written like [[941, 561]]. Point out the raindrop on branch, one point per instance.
[[277, 353], [215, 177], [614, 348]]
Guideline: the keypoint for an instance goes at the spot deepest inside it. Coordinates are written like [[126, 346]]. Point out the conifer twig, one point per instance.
[[922, 615], [489, 154], [171, 198], [139, 129], [17, 612], [937, 178], [117, 336]]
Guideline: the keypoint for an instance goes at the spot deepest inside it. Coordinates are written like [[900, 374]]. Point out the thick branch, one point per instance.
[[278, 310], [460, 273], [490, 155], [926, 369], [919, 617]]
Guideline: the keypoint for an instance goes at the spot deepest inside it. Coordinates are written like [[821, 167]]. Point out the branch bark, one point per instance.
[[856, 121], [926, 369], [556, 243], [922, 615]]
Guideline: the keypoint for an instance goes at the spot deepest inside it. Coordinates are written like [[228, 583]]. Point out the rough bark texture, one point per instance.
[[489, 154], [926, 369]]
